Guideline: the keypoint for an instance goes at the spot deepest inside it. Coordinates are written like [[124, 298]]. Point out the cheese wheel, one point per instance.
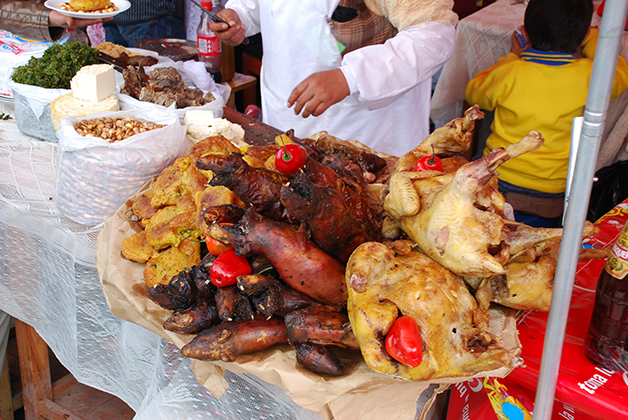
[[69, 105]]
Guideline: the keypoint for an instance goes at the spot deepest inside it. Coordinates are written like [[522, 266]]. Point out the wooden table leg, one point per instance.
[[34, 368], [37, 387]]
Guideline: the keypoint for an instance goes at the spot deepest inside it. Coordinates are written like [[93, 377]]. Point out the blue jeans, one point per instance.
[[130, 35]]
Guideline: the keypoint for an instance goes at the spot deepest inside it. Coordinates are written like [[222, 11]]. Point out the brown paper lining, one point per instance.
[[361, 393]]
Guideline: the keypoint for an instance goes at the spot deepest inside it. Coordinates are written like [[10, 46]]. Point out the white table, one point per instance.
[[481, 39]]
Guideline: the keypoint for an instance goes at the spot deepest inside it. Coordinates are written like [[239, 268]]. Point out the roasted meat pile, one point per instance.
[[296, 232], [164, 87]]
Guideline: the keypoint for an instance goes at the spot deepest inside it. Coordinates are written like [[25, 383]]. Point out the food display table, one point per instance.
[[481, 39], [50, 282], [585, 390]]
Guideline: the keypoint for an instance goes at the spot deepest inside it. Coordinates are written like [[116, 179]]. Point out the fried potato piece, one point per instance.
[[89, 5], [214, 145], [161, 267], [143, 209], [177, 180], [136, 248]]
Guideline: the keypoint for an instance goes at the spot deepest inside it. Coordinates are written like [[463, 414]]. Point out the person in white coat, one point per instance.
[[378, 94]]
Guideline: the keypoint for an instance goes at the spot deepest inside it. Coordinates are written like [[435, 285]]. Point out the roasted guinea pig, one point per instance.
[[258, 187], [298, 261], [331, 222], [386, 283]]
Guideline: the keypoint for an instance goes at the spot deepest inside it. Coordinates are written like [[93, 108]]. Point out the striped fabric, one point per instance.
[[547, 57], [147, 10], [366, 28]]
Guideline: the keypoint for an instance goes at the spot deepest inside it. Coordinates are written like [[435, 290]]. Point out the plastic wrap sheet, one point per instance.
[[50, 281]]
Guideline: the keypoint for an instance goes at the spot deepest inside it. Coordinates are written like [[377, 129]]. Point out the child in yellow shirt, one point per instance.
[[541, 87]]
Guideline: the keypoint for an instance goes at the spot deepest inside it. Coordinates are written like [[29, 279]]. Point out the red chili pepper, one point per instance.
[[290, 158], [227, 267], [214, 246], [429, 163], [404, 343]]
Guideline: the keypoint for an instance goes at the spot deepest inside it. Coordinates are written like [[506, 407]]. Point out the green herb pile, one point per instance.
[[57, 66]]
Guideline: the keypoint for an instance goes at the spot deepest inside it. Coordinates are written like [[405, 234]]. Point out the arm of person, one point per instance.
[[242, 17], [378, 75], [31, 19]]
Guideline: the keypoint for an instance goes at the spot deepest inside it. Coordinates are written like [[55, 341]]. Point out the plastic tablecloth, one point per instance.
[[49, 280], [481, 39]]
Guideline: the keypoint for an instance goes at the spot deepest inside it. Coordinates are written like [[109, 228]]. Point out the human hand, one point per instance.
[[231, 34], [515, 42], [318, 92], [56, 19]]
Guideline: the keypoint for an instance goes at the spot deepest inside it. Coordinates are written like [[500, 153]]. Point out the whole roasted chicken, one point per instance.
[[461, 223], [385, 283]]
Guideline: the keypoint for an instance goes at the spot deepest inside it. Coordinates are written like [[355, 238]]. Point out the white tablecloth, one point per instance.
[[481, 39], [49, 280]]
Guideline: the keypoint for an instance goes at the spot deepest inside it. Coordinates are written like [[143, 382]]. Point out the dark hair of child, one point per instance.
[[558, 25]]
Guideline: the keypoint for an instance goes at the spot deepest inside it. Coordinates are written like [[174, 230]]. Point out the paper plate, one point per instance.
[[122, 5]]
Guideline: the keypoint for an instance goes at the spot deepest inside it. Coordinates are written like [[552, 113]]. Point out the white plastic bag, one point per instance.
[[32, 109], [95, 177], [221, 92]]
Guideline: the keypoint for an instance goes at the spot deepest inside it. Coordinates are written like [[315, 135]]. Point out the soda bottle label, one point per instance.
[[208, 46], [617, 264]]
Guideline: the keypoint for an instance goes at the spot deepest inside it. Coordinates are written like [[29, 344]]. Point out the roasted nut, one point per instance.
[[113, 129]]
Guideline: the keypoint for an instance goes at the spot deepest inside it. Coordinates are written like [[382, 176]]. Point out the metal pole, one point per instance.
[[611, 31]]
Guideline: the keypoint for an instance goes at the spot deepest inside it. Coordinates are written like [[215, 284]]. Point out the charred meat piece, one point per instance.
[[233, 305], [185, 288], [225, 213], [134, 81], [198, 317], [177, 295], [264, 293], [298, 261], [228, 340], [318, 359], [327, 325], [257, 187], [272, 297], [324, 211]]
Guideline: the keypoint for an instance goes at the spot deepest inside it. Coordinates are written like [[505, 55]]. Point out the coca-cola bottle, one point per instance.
[[607, 338], [208, 44]]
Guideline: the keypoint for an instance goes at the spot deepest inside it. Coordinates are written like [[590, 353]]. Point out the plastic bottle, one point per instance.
[[607, 338], [227, 69], [208, 44]]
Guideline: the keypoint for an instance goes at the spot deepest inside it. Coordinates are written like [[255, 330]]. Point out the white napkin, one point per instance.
[[199, 75]]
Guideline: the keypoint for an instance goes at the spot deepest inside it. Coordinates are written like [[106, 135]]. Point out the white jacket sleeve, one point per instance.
[[248, 11], [379, 74]]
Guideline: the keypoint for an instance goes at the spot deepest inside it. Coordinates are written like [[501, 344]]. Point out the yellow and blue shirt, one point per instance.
[[539, 91]]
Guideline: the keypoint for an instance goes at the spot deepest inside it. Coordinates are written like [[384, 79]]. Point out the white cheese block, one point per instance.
[[202, 124], [94, 83], [68, 105]]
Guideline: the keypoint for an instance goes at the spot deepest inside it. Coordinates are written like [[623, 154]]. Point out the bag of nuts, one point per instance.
[[105, 158]]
